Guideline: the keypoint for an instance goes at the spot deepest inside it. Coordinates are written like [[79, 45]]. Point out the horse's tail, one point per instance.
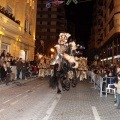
[[53, 83]]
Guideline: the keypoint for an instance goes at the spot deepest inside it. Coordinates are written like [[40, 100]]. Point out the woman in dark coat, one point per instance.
[[4, 74]]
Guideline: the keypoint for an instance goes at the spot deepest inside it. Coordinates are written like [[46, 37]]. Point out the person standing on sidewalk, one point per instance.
[[19, 67], [24, 68], [4, 53], [5, 76], [118, 92]]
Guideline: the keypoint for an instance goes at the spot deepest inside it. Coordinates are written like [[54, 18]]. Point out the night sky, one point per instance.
[[81, 15]]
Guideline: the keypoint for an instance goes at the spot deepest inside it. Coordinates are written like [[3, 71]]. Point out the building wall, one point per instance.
[[50, 22], [106, 29], [20, 38], [71, 28]]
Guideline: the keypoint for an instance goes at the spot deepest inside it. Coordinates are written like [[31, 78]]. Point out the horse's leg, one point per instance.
[[74, 79], [58, 88], [62, 83], [57, 85]]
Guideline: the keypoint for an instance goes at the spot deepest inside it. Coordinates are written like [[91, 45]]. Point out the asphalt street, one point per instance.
[[34, 100]]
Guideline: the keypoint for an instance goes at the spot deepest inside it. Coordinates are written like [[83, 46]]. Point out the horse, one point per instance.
[[64, 71]]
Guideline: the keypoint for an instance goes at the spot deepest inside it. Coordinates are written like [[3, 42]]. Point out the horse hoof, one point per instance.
[[73, 85], [59, 91], [63, 89]]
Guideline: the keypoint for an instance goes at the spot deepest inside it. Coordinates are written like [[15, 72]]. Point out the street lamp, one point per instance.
[[96, 57], [52, 50]]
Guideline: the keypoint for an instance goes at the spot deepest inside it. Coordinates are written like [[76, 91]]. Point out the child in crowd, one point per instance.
[[118, 92]]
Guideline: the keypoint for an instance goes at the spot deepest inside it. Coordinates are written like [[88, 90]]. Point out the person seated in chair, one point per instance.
[[111, 79]]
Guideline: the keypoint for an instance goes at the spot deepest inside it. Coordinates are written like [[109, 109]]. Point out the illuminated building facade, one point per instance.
[[105, 32], [17, 27]]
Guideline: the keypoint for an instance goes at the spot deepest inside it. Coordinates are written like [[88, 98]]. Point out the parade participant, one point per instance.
[[41, 68], [65, 72]]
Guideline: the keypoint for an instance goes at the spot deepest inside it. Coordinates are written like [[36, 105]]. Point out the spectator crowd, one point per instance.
[[9, 15], [8, 62], [14, 68]]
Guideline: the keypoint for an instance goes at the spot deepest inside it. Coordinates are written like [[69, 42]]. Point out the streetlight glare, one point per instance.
[[52, 50]]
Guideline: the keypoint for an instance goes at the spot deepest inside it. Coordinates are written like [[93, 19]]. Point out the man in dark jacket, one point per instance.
[[9, 70], [3, 54], [5, 77], [24, 68], [19, 67]]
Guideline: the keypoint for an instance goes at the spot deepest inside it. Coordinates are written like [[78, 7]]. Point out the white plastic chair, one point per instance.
[[110, 88]]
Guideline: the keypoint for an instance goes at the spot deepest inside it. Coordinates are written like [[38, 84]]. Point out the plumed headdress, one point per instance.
[[63, 37]]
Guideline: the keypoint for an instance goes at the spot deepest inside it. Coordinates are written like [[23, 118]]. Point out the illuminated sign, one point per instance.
[[69, 1], [54, 3]]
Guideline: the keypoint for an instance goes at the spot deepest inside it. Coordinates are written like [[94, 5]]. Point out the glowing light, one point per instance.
[[69, 1], [20, 28], [17, 39], [5, 20], [53, 3], [52, 50], [27, 1], [2, 33], [33, 4]]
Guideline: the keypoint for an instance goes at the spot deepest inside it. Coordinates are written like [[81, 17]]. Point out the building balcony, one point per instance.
[[9, 27]]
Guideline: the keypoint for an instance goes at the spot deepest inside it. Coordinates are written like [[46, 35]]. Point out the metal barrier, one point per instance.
[[97, 80]]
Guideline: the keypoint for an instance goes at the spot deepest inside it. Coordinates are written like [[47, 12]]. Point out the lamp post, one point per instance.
[[52, 50], [96, 58]]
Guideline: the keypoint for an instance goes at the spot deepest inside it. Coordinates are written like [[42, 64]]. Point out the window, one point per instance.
[[26, 26], [49, 16], [30, 28], [4, 47], [49, 23], [105, 17], [111, 6], [52, 30], [9, 9], [48, 30], [26, 54], [105, 3], [111, 24]]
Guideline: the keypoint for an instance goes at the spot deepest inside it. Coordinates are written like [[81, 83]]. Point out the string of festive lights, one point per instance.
[[80, 49], [57, 3], [53, 3]]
